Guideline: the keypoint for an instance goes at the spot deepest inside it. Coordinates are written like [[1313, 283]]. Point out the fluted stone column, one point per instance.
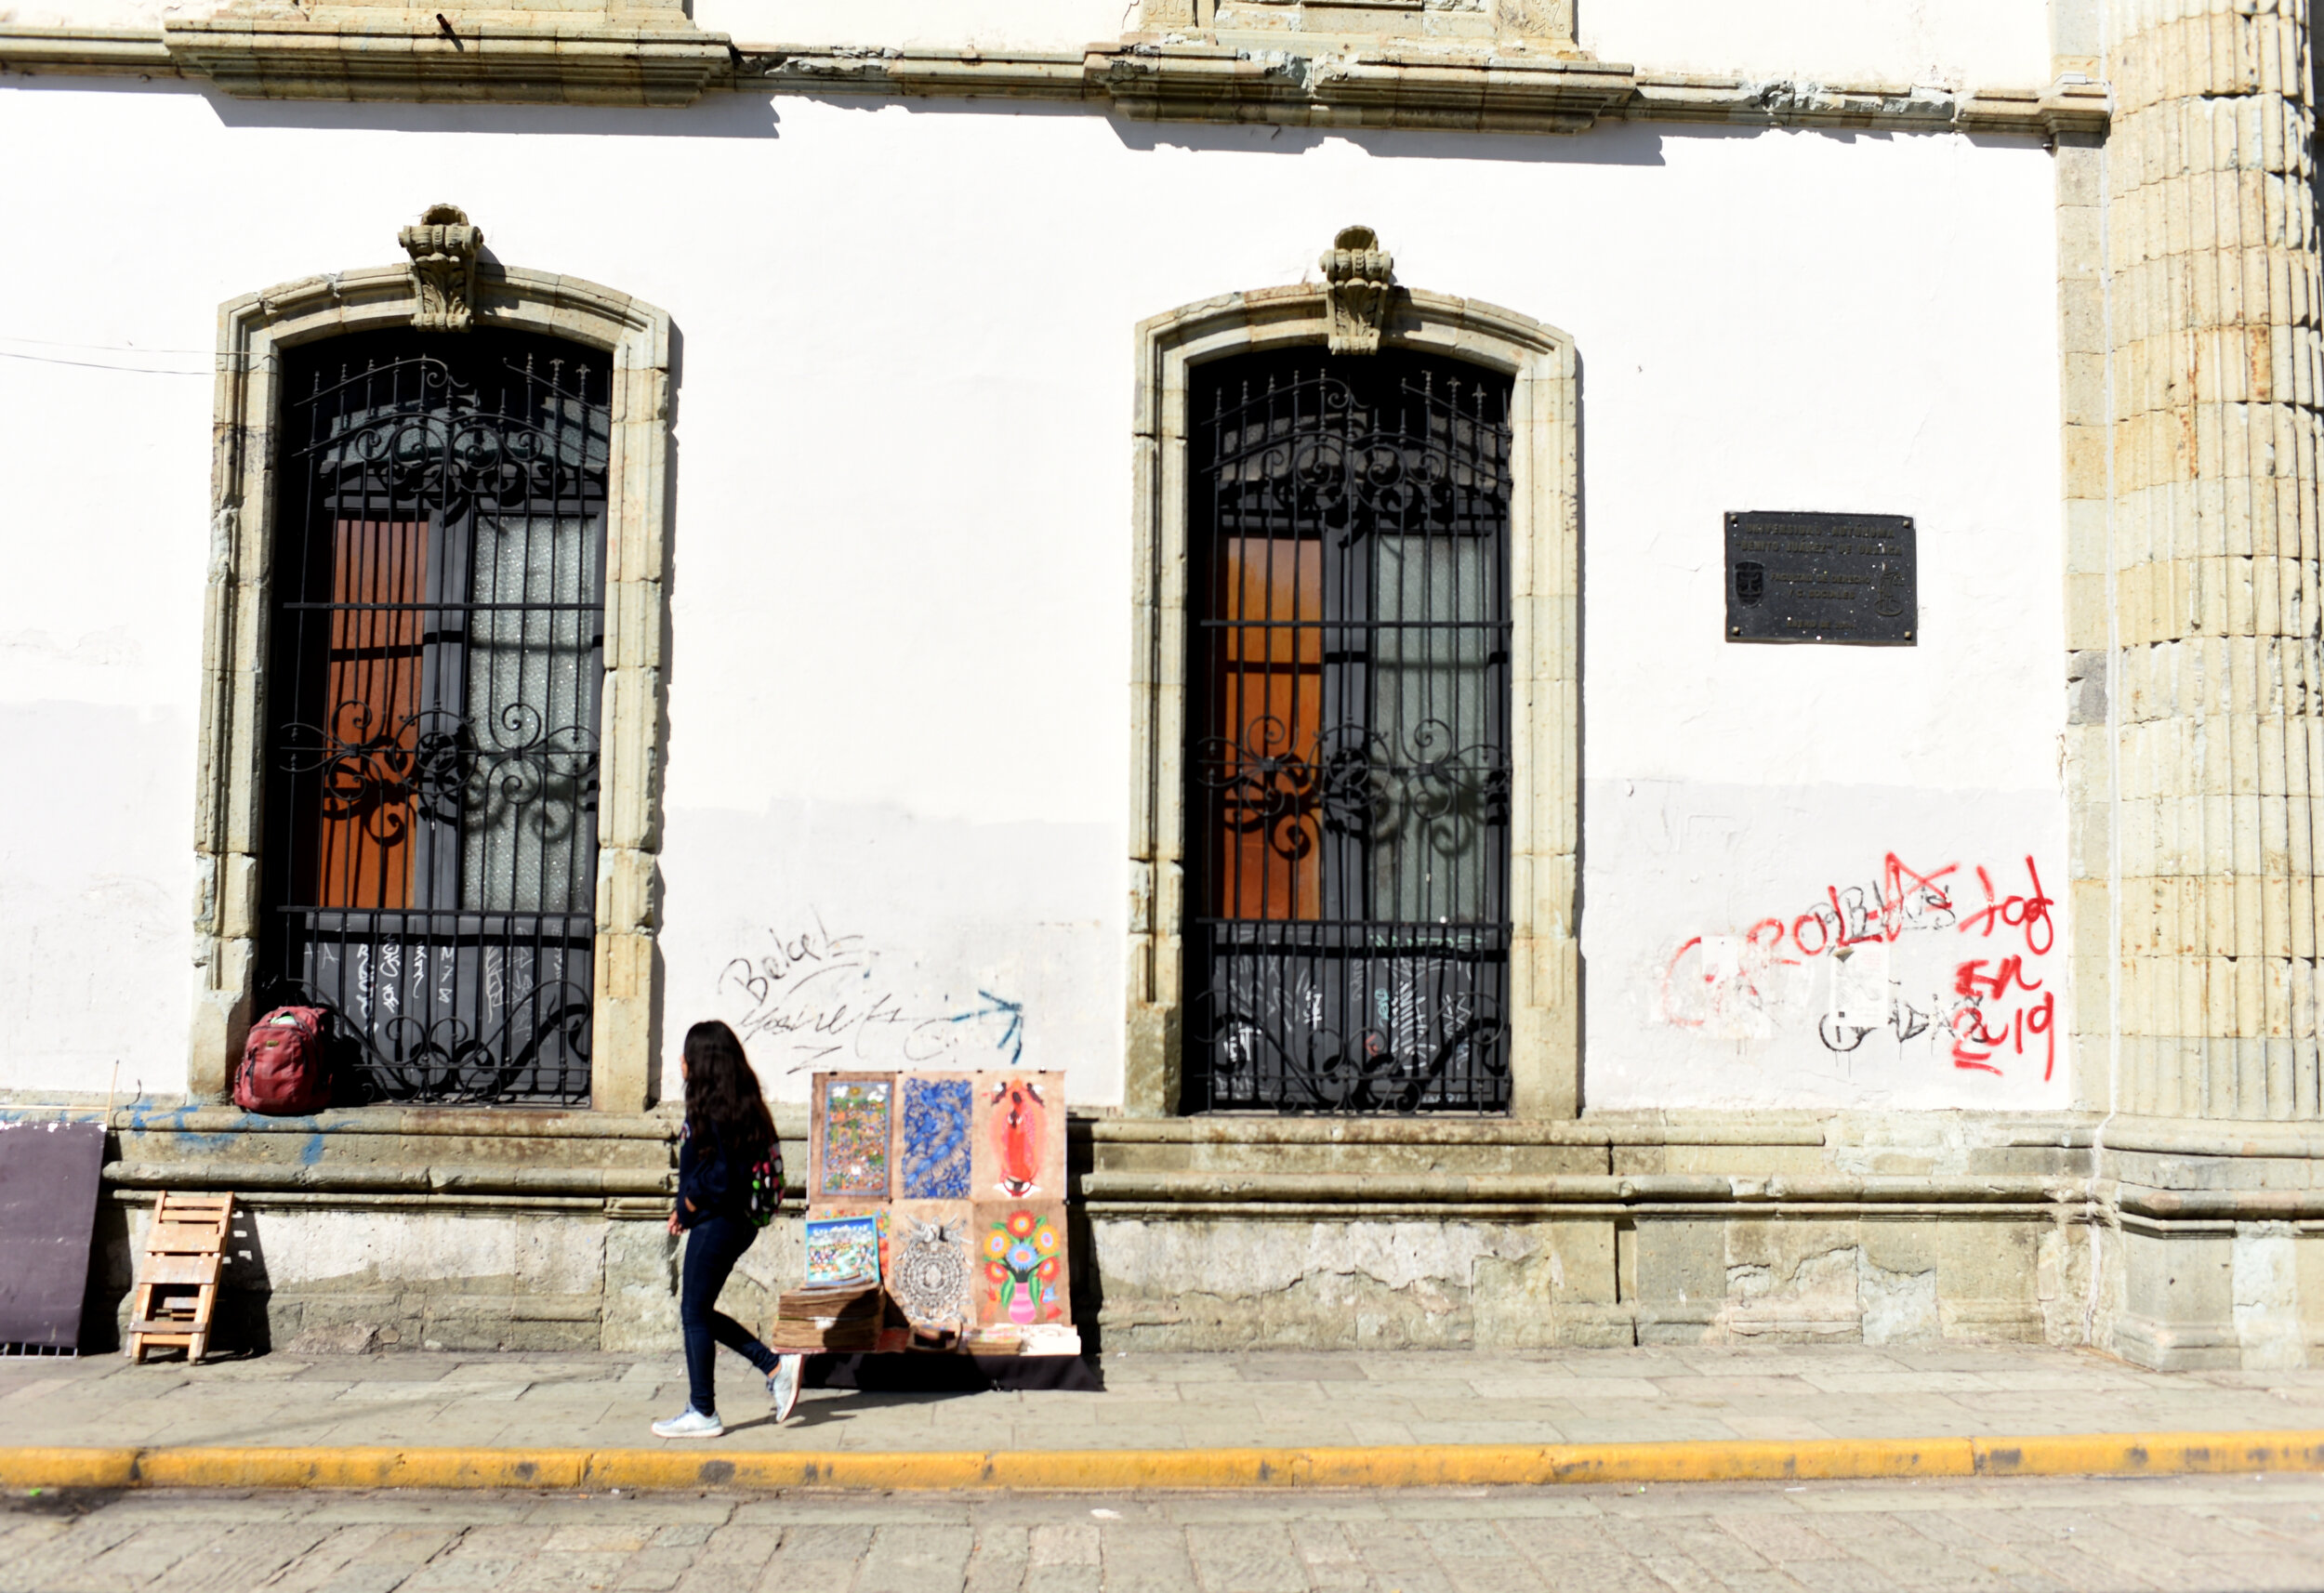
[[2209, 599], [2213, 305]]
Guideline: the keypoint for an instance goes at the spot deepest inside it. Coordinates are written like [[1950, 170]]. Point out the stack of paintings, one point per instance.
[[952, 1186]]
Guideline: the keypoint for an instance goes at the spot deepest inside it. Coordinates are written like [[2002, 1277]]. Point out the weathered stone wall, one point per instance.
[[2161, 1242], [1647, 1229], [1221, 1284]]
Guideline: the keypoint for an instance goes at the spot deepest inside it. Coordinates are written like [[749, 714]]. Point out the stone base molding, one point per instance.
[[2171, 1243], [590, 58]]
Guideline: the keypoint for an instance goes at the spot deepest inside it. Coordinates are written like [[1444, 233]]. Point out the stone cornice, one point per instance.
[[2155, 1175], [1398, 86], [492, 59], [86, 52], [618, 59]]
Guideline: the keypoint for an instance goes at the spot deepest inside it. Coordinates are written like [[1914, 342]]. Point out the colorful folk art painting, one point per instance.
[[854, 1118], [1023, 1136], [1024, 1252], [880, 1215], [842, 1249], [937, 1120], [933, 1275]]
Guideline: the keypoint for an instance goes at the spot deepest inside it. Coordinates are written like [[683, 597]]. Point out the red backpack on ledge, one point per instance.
[[284, 1073]]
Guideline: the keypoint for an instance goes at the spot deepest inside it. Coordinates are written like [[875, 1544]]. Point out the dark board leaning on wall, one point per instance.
[[47, 1209], [1822, 577]]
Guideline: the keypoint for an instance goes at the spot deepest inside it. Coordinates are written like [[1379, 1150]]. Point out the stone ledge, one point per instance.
[[86, 52], [1106, 1190], [1257, 1129], [586, 58], [322, 1178], [1174, 79], [494, 1123], [517, 62], [2061, 109]]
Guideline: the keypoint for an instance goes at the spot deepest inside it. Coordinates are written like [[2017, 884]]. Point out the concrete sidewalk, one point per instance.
[[1155, 1402]]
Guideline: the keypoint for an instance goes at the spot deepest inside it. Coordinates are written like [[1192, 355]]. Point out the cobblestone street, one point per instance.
[[2212, 1534]]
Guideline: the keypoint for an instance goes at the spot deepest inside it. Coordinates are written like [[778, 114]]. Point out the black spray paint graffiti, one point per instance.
[[820, 996]]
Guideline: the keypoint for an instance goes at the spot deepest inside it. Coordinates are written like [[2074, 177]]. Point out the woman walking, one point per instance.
[[729, 1133]]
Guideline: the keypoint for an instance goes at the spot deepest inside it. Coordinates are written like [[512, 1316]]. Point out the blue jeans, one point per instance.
[[713, 1245]]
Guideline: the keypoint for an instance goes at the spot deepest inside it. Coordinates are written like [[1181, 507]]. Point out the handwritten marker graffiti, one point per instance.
[[1999, 1010], [819, 999]]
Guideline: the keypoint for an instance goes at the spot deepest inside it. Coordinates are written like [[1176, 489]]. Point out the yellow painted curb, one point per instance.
[[1409, 1466]]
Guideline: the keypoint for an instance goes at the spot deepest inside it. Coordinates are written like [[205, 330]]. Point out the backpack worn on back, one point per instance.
[[766, 1187], [284, 1073]]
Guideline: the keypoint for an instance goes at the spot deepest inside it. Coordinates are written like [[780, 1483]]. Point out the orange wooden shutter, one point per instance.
[[1272, 680], [368, 823]]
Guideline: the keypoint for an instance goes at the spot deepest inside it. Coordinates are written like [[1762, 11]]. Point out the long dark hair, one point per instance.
[[724, 1105]]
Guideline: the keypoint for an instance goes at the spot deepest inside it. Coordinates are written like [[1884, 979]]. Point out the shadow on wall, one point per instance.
[[1608, 144], [715, 116], [239, 1326]]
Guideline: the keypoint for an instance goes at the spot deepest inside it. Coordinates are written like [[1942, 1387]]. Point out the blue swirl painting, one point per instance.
[[936, 1139]]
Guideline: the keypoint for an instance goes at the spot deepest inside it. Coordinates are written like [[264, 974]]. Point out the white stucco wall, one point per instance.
[[899, 747], [1953, 44]]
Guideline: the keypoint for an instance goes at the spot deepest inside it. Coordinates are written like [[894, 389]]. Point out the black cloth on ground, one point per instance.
[[929, 1372]]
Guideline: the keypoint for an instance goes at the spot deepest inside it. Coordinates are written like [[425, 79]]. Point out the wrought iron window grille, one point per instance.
[[436, 667], [1348, 768]]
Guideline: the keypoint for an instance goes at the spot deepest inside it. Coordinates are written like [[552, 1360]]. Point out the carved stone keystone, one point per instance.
[[442, 245], [1358, 277]]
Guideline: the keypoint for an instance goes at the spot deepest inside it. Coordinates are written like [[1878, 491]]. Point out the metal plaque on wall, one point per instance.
[[1821, 577]]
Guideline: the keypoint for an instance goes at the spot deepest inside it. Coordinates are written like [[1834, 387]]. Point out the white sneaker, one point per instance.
[[783, 1385], [691, 1423]]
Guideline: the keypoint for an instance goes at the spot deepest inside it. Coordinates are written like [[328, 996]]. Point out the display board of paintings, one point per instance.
[[966, 1173]]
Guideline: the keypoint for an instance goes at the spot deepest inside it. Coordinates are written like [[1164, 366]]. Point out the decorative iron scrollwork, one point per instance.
[[1350, 469], [1354, 781], [438, 443], [433, 768], [1348, 778], [437, 670], [1435, 1035]]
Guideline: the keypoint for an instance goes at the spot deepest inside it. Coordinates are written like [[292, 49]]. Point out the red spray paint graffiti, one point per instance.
[[1994, 1012]]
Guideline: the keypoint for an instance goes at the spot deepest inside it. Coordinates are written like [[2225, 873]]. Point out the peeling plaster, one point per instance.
[[2266, 1285]]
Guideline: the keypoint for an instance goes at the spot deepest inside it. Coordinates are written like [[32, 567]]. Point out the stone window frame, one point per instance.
[[1545, 563], [253, 334]]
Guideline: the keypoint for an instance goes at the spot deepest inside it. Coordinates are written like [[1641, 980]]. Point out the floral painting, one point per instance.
[[1023, 1249]]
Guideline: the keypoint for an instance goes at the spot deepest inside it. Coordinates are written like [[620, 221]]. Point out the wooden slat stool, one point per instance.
[[178, 1281]]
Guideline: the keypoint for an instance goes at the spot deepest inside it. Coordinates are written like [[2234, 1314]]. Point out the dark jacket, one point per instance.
[[712, 1181]]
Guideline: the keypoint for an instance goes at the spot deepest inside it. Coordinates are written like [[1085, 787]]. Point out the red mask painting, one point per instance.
[[1019, 1115]]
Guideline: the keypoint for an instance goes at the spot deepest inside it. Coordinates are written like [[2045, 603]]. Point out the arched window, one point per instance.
[[1348, 748], [432, 707], [437, 653], [1355, 808]]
